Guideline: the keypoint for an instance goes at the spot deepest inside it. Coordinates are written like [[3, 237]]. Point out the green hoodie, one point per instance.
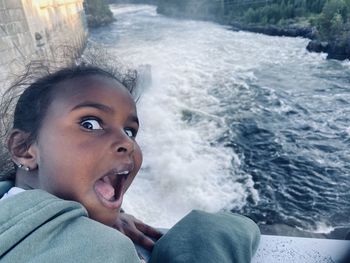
[[36, 226]]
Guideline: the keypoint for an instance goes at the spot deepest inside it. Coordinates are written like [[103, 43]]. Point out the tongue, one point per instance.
[[104, 189]]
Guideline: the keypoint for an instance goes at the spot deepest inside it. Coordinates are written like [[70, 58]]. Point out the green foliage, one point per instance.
[[337, 24], [273, 11], [315, 6], [198, 9], [330, 17], [164, 6], [251, 16], [334, 7], [98, 12], [254, 11], [97, 7], [331, 23]]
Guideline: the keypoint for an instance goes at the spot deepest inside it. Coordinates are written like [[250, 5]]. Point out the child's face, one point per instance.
[[86, 146]]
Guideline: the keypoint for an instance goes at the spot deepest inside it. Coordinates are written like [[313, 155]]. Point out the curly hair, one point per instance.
[[24, 105]]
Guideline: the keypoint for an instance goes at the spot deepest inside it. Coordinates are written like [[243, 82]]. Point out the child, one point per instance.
[[73, 144]]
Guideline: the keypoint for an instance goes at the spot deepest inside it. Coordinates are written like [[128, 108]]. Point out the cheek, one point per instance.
[[64, 169], [137, 162], [138, 157]]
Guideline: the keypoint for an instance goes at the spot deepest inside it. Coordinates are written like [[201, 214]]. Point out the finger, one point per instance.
[[148, 230], [140, 239], [145, 242], [119, 225]]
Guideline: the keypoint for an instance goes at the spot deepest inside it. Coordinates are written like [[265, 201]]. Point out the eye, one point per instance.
[[131, 132], [91, 124]]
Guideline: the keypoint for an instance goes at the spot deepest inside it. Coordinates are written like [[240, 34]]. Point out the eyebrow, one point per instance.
[[104, 108], [95, 105]]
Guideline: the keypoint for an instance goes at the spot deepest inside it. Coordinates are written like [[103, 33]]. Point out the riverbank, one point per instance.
[[335, 49], [273, 30], [323, 25], [292, 30]]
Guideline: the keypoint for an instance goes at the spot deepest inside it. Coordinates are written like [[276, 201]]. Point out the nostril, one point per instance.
[[121, 149]]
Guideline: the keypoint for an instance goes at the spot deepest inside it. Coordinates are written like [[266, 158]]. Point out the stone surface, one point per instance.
[[335, 49], [2, 4], [13, 4], [59, 23], [317, 46], [291, 31]]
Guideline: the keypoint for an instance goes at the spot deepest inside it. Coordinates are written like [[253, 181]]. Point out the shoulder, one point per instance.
[[39, 227], [86, 240]]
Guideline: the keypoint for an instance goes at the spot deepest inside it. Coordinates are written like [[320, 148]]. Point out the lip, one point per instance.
[[117, 178]]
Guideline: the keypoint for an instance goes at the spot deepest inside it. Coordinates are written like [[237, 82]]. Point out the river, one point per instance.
[[235, 121]]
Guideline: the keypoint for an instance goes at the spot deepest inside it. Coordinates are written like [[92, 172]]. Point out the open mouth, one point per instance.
[[110, 188]]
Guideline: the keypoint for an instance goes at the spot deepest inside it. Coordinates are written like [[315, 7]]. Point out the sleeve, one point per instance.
[[88, 241], [203, 237], [38, 227]]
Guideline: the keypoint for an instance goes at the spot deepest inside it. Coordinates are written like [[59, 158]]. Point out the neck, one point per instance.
[[26, 180]]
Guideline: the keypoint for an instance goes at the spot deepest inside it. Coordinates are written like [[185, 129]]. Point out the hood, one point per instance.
[[5, 186]]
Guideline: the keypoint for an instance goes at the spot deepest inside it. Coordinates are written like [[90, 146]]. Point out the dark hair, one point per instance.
[[32, 95]]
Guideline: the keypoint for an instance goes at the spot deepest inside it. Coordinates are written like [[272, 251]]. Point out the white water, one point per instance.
[[184, 167]]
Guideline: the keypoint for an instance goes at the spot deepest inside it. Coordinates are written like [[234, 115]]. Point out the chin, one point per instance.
[[108, 219]]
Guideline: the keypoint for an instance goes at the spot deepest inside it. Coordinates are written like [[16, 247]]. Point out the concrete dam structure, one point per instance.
[[54, 30]]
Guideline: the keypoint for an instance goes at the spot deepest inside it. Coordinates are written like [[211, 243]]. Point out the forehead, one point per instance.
[[95, 89]]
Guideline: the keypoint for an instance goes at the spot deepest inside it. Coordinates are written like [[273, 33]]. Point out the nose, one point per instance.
[[123, 144]]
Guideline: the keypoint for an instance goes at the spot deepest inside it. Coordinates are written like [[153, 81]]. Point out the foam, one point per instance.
[[185, 165]]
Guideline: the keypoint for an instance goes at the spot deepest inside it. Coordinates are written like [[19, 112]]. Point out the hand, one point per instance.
[[140, 233]]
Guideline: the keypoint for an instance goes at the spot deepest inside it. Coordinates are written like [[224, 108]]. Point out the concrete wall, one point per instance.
[[39, 29], [15, 37]]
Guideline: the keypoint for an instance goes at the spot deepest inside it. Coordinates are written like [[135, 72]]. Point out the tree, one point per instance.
[[98, 13], [334, 7], [332, 19]]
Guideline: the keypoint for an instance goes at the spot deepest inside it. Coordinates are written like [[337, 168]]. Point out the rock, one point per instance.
[[317, 46], [272, 30], [336, 49], [97, 21], [340, 51]]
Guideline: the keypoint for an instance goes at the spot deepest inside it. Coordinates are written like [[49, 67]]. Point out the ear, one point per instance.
[[22, 150]]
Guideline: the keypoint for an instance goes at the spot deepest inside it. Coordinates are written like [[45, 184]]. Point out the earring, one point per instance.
[[21, 166]]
